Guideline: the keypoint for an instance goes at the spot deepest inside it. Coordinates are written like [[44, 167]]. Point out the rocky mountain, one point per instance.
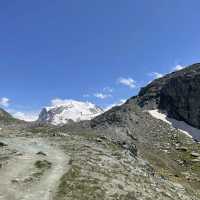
[[168, 149], [125, 153], [177, 94], [70, 110], [6, 118], [4, 114]]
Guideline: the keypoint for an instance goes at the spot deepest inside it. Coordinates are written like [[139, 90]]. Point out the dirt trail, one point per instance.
[[16, 182]]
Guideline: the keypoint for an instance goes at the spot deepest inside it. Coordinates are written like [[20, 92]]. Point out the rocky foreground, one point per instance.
[[153, 161]]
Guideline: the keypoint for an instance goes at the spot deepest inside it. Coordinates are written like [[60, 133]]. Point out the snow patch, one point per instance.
[[180, 125]]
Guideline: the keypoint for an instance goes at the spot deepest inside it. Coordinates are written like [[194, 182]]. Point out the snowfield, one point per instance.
[[182, 126], [63, 112]]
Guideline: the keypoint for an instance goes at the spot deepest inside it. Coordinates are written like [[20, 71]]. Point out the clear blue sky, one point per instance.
[[68, 48]]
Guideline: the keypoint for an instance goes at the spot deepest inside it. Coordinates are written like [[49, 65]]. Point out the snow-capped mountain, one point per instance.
[[69, 110]]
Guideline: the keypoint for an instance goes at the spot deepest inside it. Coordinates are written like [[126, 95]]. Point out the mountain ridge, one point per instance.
[[177, 94]]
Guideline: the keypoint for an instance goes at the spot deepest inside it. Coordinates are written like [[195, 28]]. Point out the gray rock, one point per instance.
[[99, 140], [2, 144], [196, 160], [41, 153], [182, 148], [177, 93], [133, 149], [194, 154]]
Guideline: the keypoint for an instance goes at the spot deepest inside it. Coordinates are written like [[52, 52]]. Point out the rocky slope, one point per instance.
[[177, 94], [70, 110], [7, 120], [103, 170], [168, 150], [5, 116], [93, 167]]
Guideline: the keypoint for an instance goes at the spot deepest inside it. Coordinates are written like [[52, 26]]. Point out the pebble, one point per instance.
[[194, 154]]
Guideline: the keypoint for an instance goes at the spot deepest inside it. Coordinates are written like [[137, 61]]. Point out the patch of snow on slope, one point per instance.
[[182, 126]]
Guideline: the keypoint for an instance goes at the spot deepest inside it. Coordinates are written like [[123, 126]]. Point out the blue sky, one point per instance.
[[98, 51]]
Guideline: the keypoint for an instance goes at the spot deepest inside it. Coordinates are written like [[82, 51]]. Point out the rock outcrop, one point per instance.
[[177, 94], [4, 114], [8, 119]]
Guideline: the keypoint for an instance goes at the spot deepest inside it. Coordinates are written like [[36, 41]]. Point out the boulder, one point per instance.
[[2, 144], [41, 153], [194, 154], [181, 148], [196, 160]]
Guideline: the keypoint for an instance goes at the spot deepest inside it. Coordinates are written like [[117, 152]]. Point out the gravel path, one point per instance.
[[16, 182]]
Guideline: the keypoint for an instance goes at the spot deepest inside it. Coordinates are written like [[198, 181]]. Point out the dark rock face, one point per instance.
[[43, 116], [177, 93], [2, 144], [4, 114], [7, 120]]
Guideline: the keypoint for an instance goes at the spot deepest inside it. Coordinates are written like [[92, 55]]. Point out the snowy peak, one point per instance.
[[61, 112]]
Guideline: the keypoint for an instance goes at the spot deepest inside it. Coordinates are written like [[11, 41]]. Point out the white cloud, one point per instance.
[[105, 93], [102, 96], [108, 89], [26, 116], [4, 102], [60, 102], [120, 102], [178, 67], [127, 82], [155, 75]]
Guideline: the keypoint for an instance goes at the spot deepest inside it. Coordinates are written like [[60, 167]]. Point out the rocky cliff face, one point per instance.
[[6, 118], [4, 114], [9, 122], [177, 93]]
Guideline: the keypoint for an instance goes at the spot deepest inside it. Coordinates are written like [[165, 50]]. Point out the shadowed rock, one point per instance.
[[177, 93]]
